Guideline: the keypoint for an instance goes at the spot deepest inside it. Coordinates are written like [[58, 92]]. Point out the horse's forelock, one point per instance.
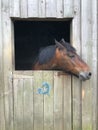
[[67, 45]]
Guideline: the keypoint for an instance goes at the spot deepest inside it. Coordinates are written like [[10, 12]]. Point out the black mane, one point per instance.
[[67, 45], [46, 54]]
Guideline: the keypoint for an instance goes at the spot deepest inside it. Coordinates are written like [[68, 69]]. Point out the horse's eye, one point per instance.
[[71, 55]]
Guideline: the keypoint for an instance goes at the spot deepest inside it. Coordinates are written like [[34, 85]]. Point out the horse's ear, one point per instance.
[[59, 45], [63, 40]]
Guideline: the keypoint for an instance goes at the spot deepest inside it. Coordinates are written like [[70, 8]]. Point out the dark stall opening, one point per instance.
[[30, 36]]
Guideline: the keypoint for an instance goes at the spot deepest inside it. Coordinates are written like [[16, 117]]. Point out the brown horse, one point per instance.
[[62, 56]]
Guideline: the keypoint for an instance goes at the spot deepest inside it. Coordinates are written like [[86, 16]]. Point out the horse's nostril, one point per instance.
[[85, 75], [89, 73]]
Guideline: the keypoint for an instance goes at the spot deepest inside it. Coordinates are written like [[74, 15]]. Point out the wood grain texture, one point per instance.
[[28, 104], [76, 84], [51, 8], [58, 102], [95, 63], [42, 8], [48, 101], [9, 95], [60, 9], [23, 8], [38, 102], [15, 8], [6, 58], [32, 8], [67, 117], [2, 120], [68, 8], [1, 46], [86, 39], [18, 104]]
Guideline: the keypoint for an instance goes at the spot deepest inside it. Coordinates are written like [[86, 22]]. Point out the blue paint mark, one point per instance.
[[45, 89]]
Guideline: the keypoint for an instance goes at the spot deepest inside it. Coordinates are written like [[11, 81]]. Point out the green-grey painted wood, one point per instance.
[[18, 104], [33, 8], [60, 8], [2, 119], [23, 8], [67, 102], [28, 104], [58, 102], [76, 83], [10, 99], [6, 59], [86, 39], [38, 102], [95, 64], [68, 8], [42, 8], [50, 8], [48, 77]]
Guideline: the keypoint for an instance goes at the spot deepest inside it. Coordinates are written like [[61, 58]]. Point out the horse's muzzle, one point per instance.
[[85, 75]]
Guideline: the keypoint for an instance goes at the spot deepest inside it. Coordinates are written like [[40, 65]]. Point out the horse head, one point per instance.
[[69, 61], [62, 56]]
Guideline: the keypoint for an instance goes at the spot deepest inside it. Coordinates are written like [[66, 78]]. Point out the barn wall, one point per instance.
[[84, 37], [41, 8]]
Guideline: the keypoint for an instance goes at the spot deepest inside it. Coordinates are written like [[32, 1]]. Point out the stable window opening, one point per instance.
[[30, 36]]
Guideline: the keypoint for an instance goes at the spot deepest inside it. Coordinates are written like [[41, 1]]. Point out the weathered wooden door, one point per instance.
[[35, 110], [28, 104]]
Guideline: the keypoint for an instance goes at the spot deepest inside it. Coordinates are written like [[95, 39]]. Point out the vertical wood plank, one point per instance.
[[67, 103], [48, 101], [7, 66], [68, 8], [2, 118], [77, 104], [0, 41], [28, 104], [95, 64], [11, 103], [87, 106], [15, 89], [23, 8], [76, 83], [42, 7], [18, 104], [11, 8], [50, 8], [76, 27], [38, 102], [58, 102], [15, 8], [60, 9], [33, 8], [86, 37], [12, 46], [6, 39]]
